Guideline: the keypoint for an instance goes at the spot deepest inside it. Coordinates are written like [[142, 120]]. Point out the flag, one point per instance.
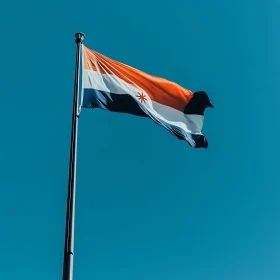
[[117, 87]]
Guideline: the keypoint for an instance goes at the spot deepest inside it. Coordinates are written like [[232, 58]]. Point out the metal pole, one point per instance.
[[70, 214]]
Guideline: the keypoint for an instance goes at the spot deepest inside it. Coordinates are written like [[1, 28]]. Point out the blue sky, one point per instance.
[[148, 206]]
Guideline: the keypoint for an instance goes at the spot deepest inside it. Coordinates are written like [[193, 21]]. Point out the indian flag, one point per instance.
[[117, 87]]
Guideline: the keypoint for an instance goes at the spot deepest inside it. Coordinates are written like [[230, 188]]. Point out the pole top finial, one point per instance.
[[79, 37]]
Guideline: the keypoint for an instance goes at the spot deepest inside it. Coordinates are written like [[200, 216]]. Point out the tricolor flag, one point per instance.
[[114, 86]]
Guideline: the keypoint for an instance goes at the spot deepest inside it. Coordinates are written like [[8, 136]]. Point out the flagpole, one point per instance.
[[70, 213]]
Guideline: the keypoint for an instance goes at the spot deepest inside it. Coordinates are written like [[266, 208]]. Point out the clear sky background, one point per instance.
[[148, 206]]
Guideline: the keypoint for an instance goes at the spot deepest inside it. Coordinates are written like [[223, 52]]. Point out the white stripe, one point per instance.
[[111, 83], [107, 82]]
